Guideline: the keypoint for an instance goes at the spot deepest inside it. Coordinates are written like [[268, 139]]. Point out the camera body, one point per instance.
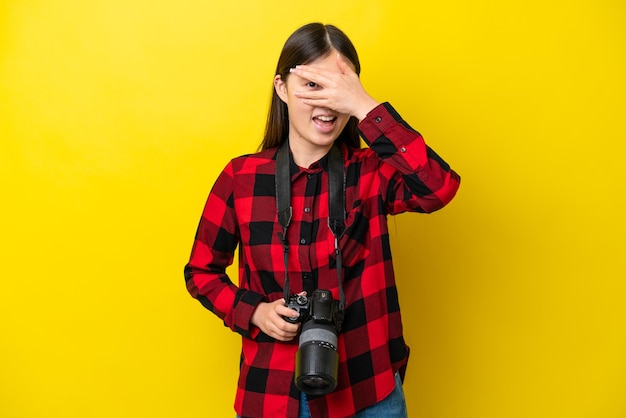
[[300, 304], [317, 360], [320, 307]]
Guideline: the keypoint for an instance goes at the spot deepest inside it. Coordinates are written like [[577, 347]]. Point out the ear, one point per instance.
[[281, 87]]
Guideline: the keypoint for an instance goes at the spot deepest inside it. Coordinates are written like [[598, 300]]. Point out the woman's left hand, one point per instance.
[[340, 91]]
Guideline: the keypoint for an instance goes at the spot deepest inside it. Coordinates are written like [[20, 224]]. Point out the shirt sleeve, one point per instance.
[[415, 178], [213, 251]]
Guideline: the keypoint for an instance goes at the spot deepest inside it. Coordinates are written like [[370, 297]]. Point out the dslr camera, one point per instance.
[[317, 360]]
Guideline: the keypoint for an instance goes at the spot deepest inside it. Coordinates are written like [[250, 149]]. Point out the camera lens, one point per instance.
[[314, 382], [317, 360]]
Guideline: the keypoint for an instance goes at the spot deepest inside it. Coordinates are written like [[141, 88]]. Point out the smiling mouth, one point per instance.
[[327, 120]]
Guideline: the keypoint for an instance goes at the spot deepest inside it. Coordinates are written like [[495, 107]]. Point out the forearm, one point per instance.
[[213, 250], [408, 163], [213, 288]]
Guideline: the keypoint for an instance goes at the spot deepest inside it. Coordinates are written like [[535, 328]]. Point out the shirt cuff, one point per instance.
[[377, 121], [243, 310]]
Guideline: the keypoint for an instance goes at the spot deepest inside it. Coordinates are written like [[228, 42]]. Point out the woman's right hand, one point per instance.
[[269, 318]]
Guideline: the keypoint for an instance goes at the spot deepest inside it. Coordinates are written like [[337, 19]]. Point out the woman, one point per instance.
[[319, 109]]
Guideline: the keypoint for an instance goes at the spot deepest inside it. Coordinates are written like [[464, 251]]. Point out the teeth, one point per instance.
[[326, 118]]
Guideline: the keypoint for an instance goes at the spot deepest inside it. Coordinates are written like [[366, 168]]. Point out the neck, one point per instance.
[[304, 156]]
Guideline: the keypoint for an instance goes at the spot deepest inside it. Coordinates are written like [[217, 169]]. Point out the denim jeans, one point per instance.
[[393, 406]]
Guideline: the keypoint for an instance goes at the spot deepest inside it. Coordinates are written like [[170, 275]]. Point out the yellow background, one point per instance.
[[117, 115]]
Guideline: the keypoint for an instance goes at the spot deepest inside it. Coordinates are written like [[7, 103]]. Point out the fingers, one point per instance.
[[317, 75], [330, 92], [284, 311], [269, 318], [337, 88], [322, 76], [280, 328], [309, 97]]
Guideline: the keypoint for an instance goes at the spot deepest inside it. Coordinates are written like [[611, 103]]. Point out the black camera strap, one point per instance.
[[336, 208]]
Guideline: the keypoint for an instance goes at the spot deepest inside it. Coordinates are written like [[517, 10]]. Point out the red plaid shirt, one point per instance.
[[397, 173]]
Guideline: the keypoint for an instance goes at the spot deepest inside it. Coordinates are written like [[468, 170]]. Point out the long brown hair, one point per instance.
[[308, 43]]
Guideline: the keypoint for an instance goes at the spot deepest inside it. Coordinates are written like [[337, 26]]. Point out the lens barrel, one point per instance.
[[317, 360]]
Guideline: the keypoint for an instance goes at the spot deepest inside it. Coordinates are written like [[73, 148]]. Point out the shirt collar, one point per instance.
[[319, 165], [316, 167]]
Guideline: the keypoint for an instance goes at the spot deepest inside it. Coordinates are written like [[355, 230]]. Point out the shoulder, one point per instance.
[[255, 162]]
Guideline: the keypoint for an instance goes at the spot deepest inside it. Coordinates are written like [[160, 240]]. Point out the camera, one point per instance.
[[317, 360]]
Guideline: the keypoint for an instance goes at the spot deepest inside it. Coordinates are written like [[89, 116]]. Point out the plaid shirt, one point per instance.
[[397, 173]]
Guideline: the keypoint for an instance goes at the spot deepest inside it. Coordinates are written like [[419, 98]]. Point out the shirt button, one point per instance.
[[403, 149], [379, 119], [307, 210], [302, 241], [310, 176]]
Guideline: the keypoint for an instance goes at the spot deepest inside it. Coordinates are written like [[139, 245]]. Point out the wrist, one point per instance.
[[366, 107], [255, 319]]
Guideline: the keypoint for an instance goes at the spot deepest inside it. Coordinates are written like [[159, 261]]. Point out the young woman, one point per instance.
[[318, 113]]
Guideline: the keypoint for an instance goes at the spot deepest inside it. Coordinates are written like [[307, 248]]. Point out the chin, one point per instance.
[[325, 142]]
